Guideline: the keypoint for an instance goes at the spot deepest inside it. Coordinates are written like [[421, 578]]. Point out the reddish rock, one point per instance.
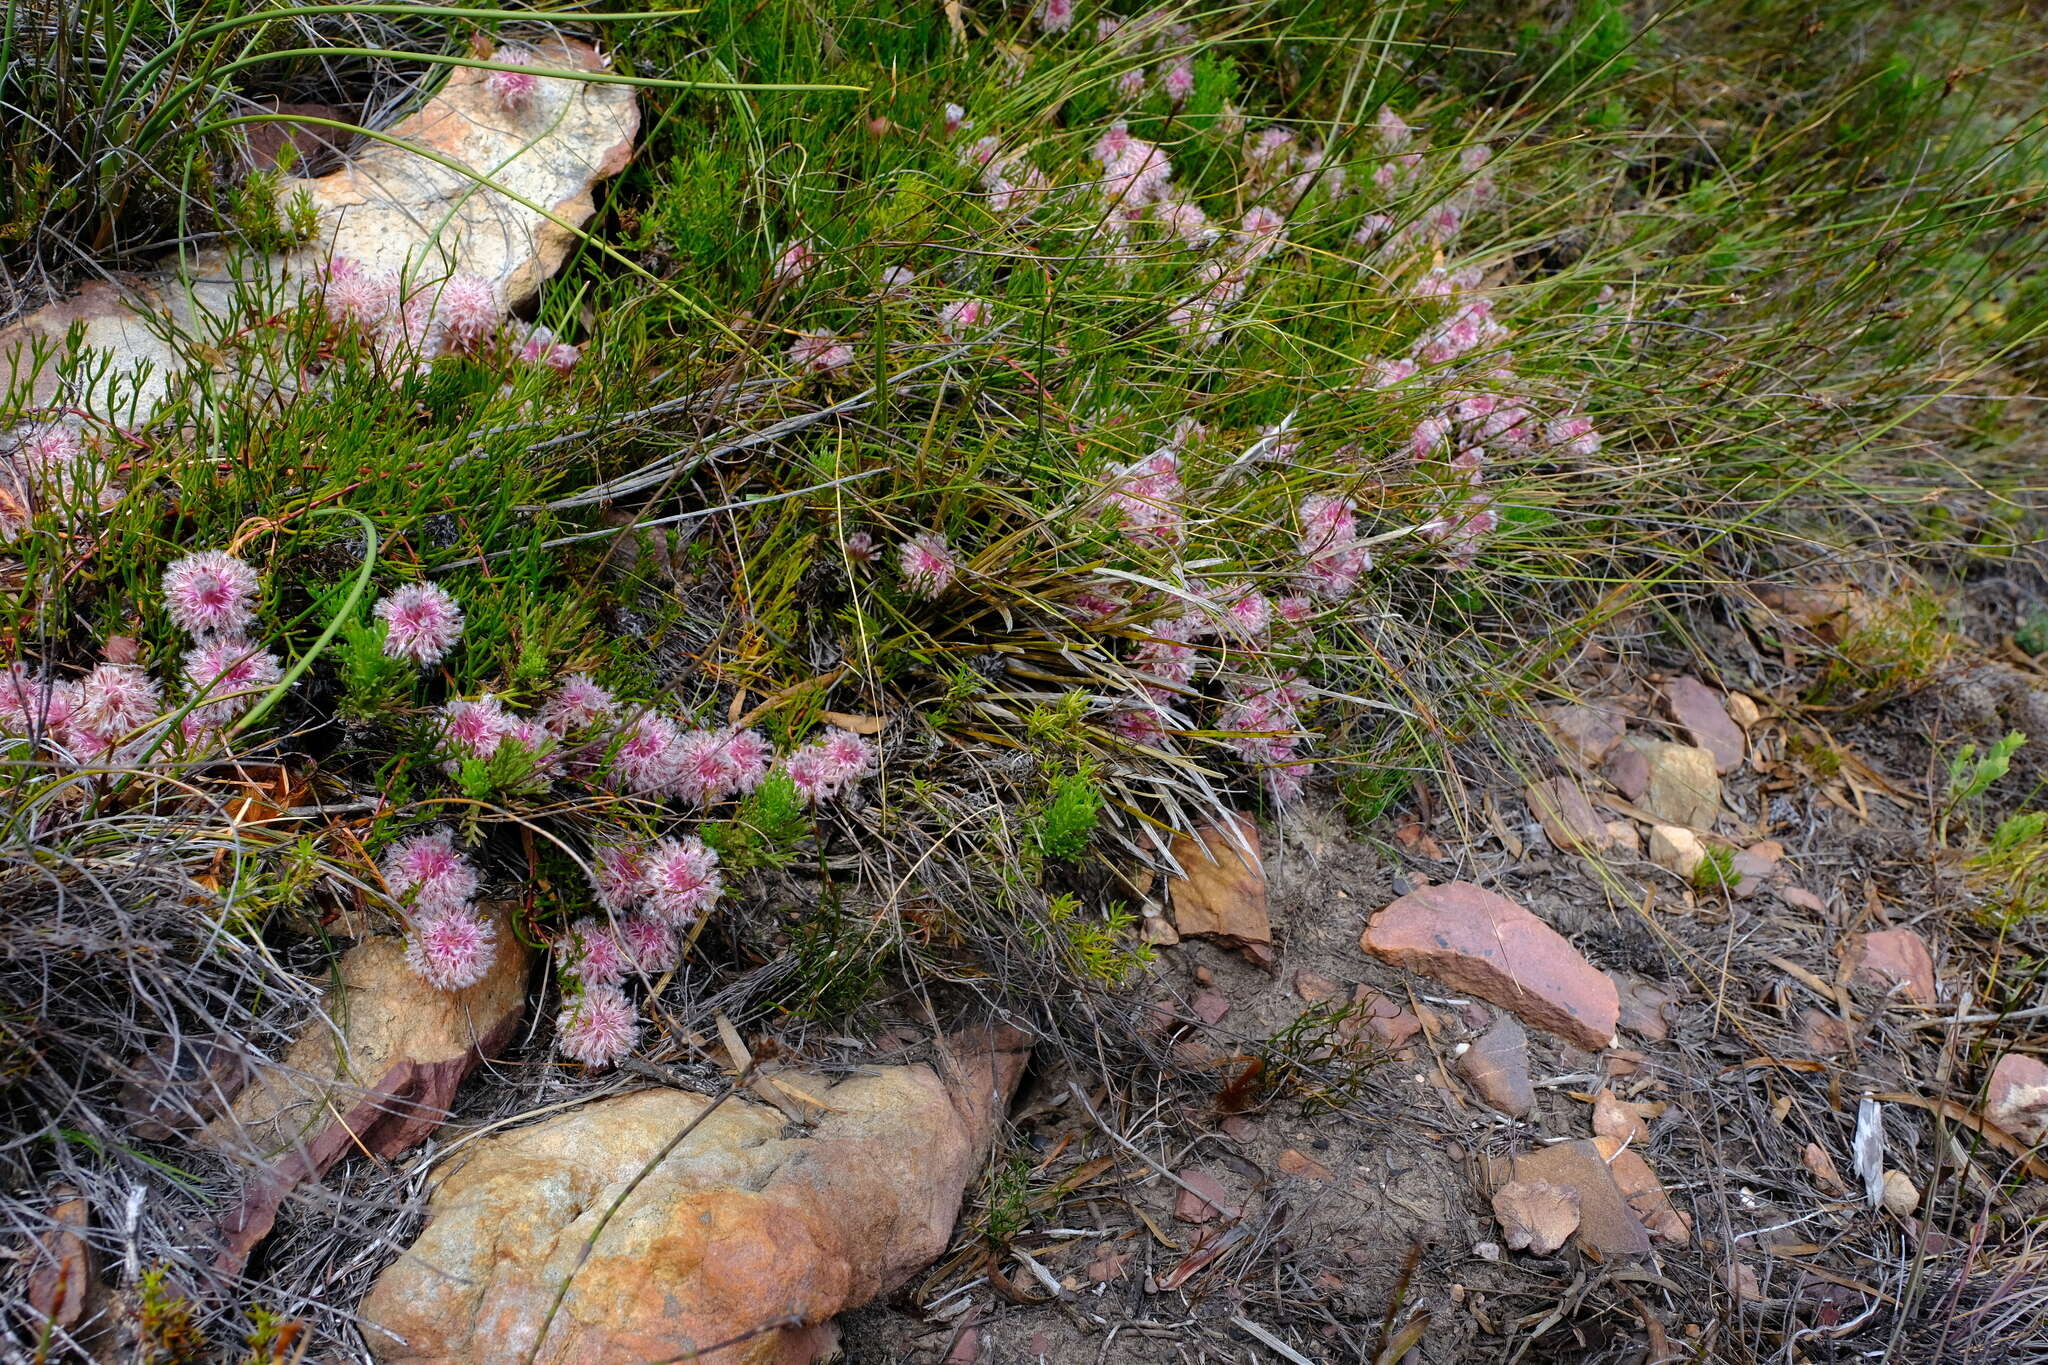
[[1473, 940], [61, 1270], [1496, 1066], [1315, 988], [1644, 1193], [1390, 1023], [1642, 1007], [744, 1223], [1703, 713], [1211, 1006], [1567, 816], [1889, 958], [1206, 1200], [385, 1082], [2016, 1097], [1535, 1215], [1615, 1118], [1585, 733], [1629, 771], [1607, 1225], [1822, 1034], [1109, 1266], [1291, 1162], [1221, 893], [1238, 1128]]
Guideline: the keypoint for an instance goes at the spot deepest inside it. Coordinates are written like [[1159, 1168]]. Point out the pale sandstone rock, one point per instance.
[[1676, 849], [1683, 787]]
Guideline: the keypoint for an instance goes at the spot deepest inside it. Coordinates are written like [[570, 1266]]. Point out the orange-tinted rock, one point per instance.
[[1894, 958], [1300, 1164], [1615, 1118], [1314, 987], [1567, 817], [1585, 733], [1684, 787], [1703, 714], [1472, 939], [1496, 1066], [1202, 1198], [1822, 1034], [746, 1222], [1221, 892], [1644, 1192], [1607, 1225], [1391, 1023], [1535, 1215], [2016, 1097]]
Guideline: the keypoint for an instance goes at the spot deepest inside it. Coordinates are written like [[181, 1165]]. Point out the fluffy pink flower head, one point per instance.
[[1055, 16], [31, 702], [897, 281], [474, 729], [646, 759], [468, 310], [579, 704], [1148, 494], [1139, 725], [1371, 228], [820, 352], [749, 755], [928, 564], [513, 90], [1246, 611], [230, 673], [211, 592], [795, 261], [598, 1027], [849, 756], [1384, 374], [421, 623], [650, 946], [1137, 174], [1294, 610], [618, 876], [453, 949], [962, 317], [810, 774], [861, 548], [356, 295], [955, 118], [1185, 220], [682, 880], [593, 953], [117, 699], [1574, 436], [1394, 131], [1326, 521], [1272, 150], [427, 869], [1131, 84], [705, 771], [1111, 146], [1285, 782], [1178, 80]]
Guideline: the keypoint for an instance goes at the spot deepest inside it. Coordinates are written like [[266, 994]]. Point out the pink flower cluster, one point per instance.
[[410, 324], [479, 729], [86, 720], [1134, 172], [52, 468], [675, 881], [212, 596], [794, 262], [820, 352], [538, 345], [1148, 495], [928, 563], [450, 944], [825, 767], [657, 757], [1333, 560], [422, 622], [1266, 718]]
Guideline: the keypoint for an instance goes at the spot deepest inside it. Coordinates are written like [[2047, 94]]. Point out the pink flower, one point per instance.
[[598, 1027], [1271, 150], [1246, 611], [1178, 80], [928, 564], [650, 946], [810, 774], [705, 772], [421, 623], [116, 699], [682, 880], [1430, 436], [538, 346], [848, 754], [1131, 84], [961, 318], [1574, 436], [1169, 664], [513, 90], [955, 119], [1185, 220], [749, 754], [468, 310], [1286, 781], [1055, 16], [229, 674], [1111, 146], [1148, 494], [1137, 174], [797, 259], [210, 592], [473, 729], [820, 352], [861, 548], [618, 876], [1371, 228], [1139, 725], [646, 760], [358, 296], [822, 769], [1261, 230], [32, 703], [593, 953], [1393, 129], [579, 704], [427, 867], [453, 949], [1293, 610], [897, 281]]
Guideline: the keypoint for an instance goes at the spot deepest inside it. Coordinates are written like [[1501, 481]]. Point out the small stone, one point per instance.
[[1567, 816], [1315, 988], [1536, 1215], [1822, 1034], [1238, 1128], [1822, 1167], [1211, 1006], [1584, 733], [1389, 1021], [1607, 1225], [1742, 1282], [1623, 838], [1206, 1201], [1889, 958], [1684, 786], [1496, 1066], [1901, 1196], [1614, 1118], [1702, 713], [1676, 849], [1802, 899], [1486, 1251], [1109, 1266], [1642, 1007], [2016, 1097], [1643, 1191], [1476, 941], [1222, 892], [1744, 711], [1291, 1162], [1629, 771], [1158, 931]]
